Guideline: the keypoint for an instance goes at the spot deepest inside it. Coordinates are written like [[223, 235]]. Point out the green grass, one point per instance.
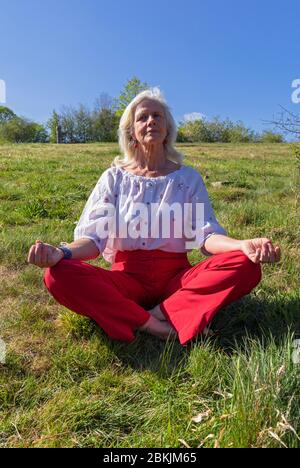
[[65, 384]]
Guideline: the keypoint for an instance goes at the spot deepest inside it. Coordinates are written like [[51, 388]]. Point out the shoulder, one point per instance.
[[107, 182], [109, 176], [190, 174]]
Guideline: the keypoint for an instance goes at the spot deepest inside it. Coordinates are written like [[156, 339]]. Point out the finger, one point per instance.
[[263, 254], [31, 254], [273, 254], [38, 253], [257, 256], [266, 252], [270, 253], [45, 262], [44, 255]]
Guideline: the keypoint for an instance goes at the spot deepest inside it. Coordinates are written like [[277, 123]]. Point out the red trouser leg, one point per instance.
[[193, 296], [111, 298]]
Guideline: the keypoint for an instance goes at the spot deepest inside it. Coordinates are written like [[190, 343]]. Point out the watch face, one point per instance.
[[67, 252]]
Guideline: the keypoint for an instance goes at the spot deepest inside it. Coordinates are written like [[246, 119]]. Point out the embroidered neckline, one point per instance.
[[151, 178]]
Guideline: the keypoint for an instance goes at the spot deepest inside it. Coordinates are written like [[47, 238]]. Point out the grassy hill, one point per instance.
[[65, 384]]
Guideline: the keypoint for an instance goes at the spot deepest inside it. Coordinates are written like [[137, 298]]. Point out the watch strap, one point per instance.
[[67, 252]]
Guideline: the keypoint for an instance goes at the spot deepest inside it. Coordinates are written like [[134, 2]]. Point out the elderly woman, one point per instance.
[[151, 286]]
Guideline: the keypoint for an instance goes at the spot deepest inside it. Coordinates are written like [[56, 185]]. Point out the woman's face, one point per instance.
[[150, 126]]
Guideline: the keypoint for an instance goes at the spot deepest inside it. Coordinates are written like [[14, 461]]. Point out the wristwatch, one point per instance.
[[67, 252]]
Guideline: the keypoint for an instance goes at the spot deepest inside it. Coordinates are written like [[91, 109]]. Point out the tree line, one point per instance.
[[223, 131], [100, 124]]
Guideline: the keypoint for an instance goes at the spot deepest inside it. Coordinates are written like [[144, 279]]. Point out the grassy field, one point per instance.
[[65, 384]]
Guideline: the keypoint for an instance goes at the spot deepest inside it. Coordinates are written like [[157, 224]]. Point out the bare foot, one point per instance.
[[159, 328], [157, 313]]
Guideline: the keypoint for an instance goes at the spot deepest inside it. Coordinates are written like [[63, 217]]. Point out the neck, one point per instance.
[[151, 157]]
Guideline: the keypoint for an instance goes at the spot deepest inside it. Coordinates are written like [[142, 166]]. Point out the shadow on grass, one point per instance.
[[148, 352], [259, 320], [248, 318]]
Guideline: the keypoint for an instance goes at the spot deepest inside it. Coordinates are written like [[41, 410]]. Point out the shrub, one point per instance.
[[271, 137], [20, 130]]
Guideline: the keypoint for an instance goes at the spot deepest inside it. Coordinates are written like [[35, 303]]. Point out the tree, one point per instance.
[[68, 125], [73, 125], [268, 136], [6, 114], [83, 124], [193, 131], [105, 125], [104, 118], [215, 130], [20, 130], [54, 126], [181, 135], [287, 121], [104, 101], [133, 87], [238, 133]]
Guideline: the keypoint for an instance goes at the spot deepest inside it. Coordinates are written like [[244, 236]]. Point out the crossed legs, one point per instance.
[[117, 301]]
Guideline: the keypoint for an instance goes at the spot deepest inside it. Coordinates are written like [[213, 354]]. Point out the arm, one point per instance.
[[216, 240], [258, 250], [83, 249], [46, 255], [217, 243], [86, 245]]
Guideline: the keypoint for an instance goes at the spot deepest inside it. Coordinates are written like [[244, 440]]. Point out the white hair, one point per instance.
[[126, 126]]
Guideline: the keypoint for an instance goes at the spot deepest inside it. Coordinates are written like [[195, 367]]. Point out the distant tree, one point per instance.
[[193, 131], [105, 119], [75, 125], [20, 130], [104, 101], [268, 136], [68, 124], [80, 125], [105, 125], [133, 87], [215, 130], [181, 135], [41, 135], [54, 126], [83, 124], [288, 122], [237, 133], [6, 114]]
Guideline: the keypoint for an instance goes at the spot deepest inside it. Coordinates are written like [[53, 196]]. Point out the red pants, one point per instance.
[[118, 299]]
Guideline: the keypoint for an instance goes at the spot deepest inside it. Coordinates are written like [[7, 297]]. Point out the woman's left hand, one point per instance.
[[261, 250]]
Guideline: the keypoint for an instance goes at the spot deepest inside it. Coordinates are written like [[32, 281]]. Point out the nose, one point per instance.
[[151, 120]]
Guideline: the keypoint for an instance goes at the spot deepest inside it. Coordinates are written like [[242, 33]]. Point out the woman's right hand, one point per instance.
[[44, 255]]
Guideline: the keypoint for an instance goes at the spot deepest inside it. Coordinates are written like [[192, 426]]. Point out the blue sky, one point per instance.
[[231, 58]]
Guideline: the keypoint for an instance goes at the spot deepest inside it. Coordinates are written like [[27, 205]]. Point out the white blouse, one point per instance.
[[123, 190]]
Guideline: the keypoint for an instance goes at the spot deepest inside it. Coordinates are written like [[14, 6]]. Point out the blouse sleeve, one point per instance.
[[96, 205], [211, 225]]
